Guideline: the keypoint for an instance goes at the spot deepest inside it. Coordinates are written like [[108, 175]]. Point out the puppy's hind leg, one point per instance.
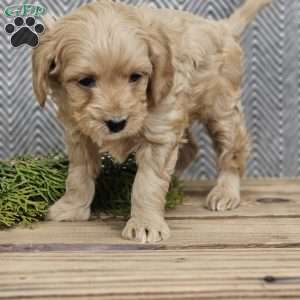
[[230, 139], [80, 185]]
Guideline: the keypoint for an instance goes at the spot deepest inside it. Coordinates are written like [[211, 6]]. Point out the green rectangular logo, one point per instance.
[[24, 10]]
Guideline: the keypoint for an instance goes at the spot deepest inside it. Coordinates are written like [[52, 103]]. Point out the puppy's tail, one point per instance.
[[245, 14]]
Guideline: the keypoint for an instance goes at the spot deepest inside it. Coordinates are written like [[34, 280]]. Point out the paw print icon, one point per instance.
[[25, 32]]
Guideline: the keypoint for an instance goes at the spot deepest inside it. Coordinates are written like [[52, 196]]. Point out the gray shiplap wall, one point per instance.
[[271, 90]]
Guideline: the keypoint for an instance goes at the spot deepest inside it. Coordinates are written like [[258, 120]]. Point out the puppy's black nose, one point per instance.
[[116, 125]]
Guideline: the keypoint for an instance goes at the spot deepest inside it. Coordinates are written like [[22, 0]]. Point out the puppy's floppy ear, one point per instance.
[[44, 62], [161, 80]]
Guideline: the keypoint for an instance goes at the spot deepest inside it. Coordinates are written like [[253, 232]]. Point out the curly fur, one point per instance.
[[191, 70]]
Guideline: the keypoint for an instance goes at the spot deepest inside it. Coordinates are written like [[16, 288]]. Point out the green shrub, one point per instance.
[[29, 185]]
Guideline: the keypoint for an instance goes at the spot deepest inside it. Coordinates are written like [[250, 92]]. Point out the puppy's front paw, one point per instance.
[[145, 231], [222, 198], [65, 210]]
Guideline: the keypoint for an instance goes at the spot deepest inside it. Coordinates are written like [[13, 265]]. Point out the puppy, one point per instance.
[[132, 79]]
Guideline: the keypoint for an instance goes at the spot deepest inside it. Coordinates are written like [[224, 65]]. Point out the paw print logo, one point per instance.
[[25, 32]]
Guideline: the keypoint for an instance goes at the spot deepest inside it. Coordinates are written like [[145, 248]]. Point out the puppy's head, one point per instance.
[[104, 70]]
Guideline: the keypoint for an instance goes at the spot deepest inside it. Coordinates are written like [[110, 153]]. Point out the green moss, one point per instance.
[[29, 185]]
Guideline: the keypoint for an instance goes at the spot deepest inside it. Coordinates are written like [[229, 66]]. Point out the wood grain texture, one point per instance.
[[207, 233], [250, 253], [199, 274]]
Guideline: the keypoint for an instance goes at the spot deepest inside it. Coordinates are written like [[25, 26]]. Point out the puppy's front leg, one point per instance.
[[155, 167], [80, 185]]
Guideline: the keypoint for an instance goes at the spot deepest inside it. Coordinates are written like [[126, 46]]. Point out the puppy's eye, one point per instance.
[[88, 82], [134, 77]]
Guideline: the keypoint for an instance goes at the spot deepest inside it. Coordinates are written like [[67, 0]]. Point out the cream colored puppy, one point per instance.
[[132, 79]]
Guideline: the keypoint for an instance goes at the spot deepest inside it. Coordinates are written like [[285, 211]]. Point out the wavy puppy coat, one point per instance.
[[133, 79]]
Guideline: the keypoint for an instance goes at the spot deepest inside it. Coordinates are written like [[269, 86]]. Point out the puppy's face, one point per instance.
[[100, 70]]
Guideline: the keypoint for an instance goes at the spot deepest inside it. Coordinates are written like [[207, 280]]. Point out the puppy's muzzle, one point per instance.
[[116, 125]]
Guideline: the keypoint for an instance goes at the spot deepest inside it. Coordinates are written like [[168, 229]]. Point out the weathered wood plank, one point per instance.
[[228, 255], [269, 216], [260, 198], [202, 274], [251, 185], [207, 233], [252, 205]]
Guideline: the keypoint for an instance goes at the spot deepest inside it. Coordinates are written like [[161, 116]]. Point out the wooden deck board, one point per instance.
[[214, 233], [216, 273], [250, 253]]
